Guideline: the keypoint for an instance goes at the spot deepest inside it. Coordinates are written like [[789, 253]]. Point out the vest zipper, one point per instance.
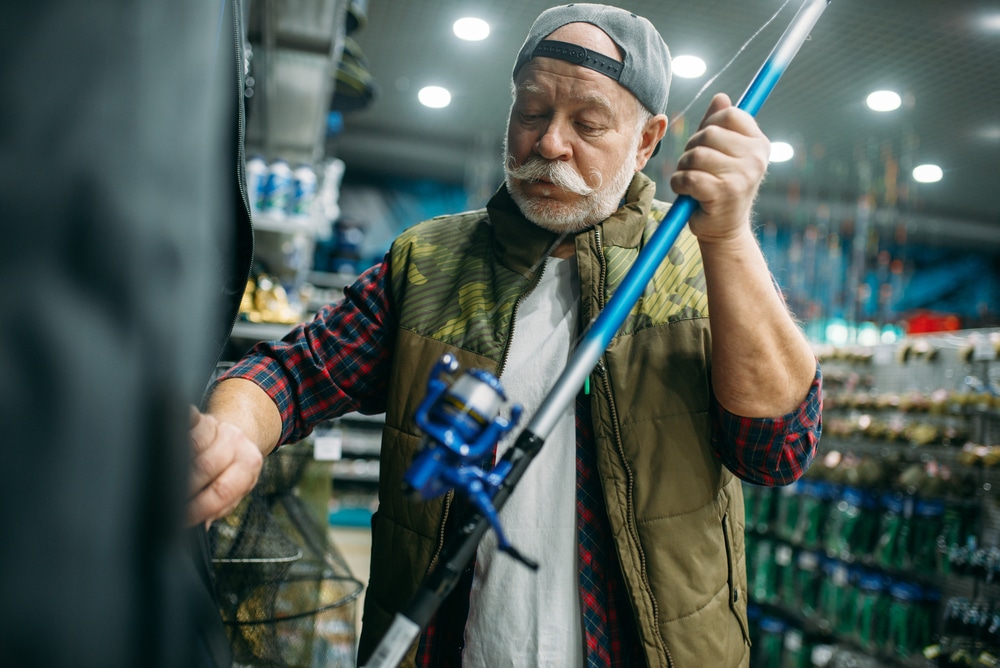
[[606, 381], [513, 318], [503, 363], [448, 497]]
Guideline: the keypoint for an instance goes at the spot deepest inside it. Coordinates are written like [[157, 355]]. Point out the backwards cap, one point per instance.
[[645, 69]]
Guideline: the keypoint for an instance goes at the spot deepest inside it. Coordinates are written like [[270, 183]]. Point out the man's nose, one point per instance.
[[554, 143]]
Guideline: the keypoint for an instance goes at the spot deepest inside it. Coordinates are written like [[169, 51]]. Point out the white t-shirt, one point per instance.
[[519, 617]]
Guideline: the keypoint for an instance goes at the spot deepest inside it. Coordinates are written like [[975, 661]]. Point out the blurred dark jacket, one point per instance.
[[123, 238]]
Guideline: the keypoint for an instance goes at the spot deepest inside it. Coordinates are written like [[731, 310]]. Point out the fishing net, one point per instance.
[[287, 597]]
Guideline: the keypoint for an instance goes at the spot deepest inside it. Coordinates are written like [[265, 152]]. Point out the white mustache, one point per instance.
[[559, 173]]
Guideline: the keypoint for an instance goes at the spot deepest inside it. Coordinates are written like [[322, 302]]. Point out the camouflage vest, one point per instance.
[[676, 514]]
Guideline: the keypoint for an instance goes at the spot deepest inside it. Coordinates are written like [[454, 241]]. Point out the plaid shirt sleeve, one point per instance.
[[770, 451], [334, 364]]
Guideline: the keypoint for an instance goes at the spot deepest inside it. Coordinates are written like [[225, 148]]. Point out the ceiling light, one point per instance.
[[434, 97], [990, 22], [781, 151], [927, 173], [688, 67], [884, 100], [471, 29]]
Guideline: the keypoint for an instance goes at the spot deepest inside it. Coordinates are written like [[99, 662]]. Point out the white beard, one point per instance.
[[562, 217]]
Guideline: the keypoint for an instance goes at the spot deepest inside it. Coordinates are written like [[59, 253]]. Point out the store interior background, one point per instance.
[[879, 268]]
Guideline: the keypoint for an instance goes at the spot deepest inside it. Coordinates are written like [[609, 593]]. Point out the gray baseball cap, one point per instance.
[[645, 69]]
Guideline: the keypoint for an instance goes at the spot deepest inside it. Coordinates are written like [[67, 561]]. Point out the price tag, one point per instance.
[[328, 446]]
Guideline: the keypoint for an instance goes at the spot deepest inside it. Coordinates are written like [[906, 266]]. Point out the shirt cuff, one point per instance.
[[771, 451]]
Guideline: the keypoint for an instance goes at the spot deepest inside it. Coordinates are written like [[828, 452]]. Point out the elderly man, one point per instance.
[[632, 507]]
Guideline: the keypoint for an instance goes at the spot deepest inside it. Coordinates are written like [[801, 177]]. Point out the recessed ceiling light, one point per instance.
[[688, 67], [471, 29], [927, 173], [990, 21], [884, 100], [781, 151], [434, 97]]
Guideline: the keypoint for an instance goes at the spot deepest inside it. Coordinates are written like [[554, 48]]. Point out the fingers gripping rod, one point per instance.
[[461, 547]]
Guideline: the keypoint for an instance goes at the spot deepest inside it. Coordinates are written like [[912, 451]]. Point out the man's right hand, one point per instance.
[[226, 467]]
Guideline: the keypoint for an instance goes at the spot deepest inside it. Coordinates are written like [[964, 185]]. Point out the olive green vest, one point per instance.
[[675, 512]]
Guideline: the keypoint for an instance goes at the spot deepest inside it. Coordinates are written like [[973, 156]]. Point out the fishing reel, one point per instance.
[[463, 424]]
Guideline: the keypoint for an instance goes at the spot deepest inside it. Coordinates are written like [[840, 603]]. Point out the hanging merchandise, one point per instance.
[[764, 576], [784, 575], [955, 537], [834, 594], [355, 88], [926, 530], [908, 619], [798, 649], [808, 576], [759, 504], [852, 525], [812, 511], [786, 515], [891, 551], [772, 642], [870, 628]]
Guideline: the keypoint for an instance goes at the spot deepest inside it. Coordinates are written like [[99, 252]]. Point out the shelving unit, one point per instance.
[[887, 551]]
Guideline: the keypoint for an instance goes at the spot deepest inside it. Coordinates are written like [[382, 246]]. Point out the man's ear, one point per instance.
[[654, 131]]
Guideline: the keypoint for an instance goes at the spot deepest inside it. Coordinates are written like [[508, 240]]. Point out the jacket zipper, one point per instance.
[[448, 498], [513, 318], [241, 153], [503, 364], [606, 381], [241, 116]]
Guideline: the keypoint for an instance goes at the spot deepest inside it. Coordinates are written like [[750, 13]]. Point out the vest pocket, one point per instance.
[[737, 596]]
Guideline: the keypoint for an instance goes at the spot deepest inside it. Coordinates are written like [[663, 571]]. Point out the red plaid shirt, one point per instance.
[[339, 362]]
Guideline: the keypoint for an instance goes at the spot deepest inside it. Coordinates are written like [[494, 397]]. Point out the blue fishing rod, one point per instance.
[[461, 413]]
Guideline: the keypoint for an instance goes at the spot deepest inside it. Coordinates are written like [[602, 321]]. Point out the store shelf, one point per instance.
[[900, 506], [265, 222], [260, 331]]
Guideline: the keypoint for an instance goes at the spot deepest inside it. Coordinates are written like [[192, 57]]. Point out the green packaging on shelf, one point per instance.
[[750, 496], [955, 537], [772, 643], [852, 525], [926, 531], [807, 582], [848, 604], [909, 628], [798, 650], [786, 511], [763, 577], [815, 500], [835, 595], [892, 548], [785, 568], [870, 626]]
